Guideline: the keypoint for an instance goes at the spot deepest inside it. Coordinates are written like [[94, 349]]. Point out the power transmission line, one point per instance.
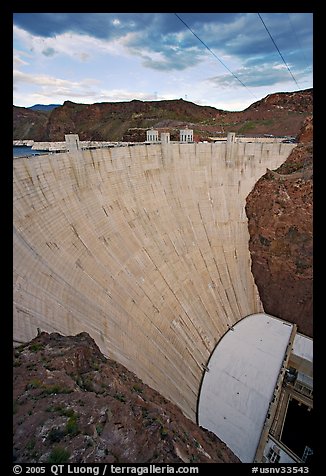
[[215, 56], [278, 50], [298, 41]]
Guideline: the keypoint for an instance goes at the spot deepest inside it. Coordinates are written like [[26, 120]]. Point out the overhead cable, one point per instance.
[[215, 56], [278, 50]]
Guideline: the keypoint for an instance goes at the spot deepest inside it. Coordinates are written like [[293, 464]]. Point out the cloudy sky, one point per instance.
[[225, 60]]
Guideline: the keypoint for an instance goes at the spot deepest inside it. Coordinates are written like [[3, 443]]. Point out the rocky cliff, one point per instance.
[[28, 123], [278, 114], [280, 213], [71, 404]]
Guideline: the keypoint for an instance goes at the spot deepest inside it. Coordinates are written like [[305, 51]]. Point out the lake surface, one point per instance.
[[25, 150]]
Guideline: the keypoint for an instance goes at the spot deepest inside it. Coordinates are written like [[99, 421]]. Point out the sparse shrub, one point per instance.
[[35, 383], [193, 458], [72, 426], [99, 429], [68, 412], [58, 455], [36, 347], [264, 241], [20, 348], [31, 366], [85, 383], [293, 233], [120, 397], [148, 422], [301, 265], [164, 432], [55, 435], [95, 365], [56, 388], [185, 437], [137, 388]]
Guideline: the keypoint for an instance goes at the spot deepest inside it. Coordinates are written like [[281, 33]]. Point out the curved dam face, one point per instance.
[[143, 247]]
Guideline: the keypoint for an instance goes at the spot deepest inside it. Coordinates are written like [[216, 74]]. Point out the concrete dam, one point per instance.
[[144, 247]]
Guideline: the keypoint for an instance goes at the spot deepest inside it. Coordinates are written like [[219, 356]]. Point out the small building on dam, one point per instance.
[[146, 249]]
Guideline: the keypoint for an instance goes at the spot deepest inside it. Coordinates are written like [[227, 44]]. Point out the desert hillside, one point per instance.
[[277, 114], [71, 404]]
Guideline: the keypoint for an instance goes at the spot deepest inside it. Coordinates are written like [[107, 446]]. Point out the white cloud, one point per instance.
[[41, 79], [50, 88], [17, 61], [280, 66], [117, 95], [148, 61], [82, 47], [18, 56]]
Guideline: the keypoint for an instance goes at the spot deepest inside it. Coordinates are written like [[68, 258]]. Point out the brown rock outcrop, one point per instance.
[[306, 133], [71, 404], [279, 211]]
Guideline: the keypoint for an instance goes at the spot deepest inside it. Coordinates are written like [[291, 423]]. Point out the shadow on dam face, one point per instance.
[[143, 247]]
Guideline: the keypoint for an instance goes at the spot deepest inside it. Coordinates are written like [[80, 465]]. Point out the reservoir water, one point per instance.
[[24, 150]]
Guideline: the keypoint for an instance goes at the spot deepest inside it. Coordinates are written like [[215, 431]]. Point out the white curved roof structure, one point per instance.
[[239, 384]]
